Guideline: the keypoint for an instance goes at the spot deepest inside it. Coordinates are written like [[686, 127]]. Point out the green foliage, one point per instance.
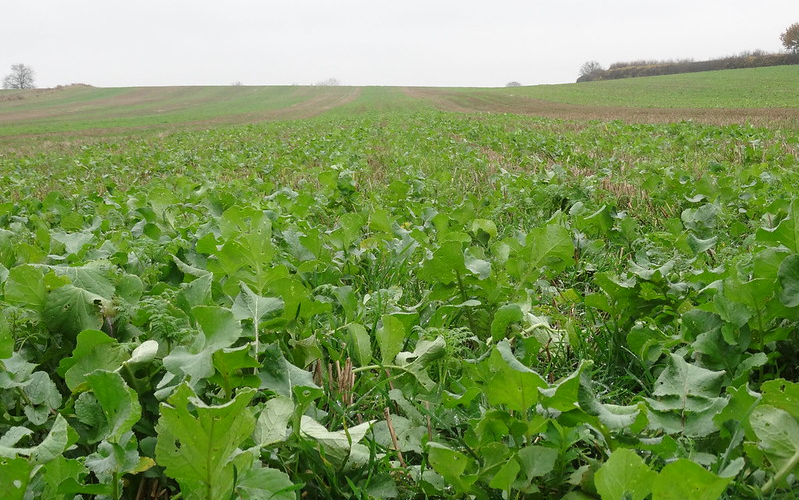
[[198, 445], [400, 306]]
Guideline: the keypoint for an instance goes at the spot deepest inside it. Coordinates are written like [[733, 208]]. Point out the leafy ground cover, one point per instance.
[[403, 304]]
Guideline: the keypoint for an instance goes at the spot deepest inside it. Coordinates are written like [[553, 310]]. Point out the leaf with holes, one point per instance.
[[197, 442]]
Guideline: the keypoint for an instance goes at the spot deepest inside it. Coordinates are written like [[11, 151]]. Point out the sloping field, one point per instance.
[[81, 107], [773, 87], [760, 96]]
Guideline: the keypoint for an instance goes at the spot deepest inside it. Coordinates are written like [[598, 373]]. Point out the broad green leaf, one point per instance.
[[754, 294], [42, 390], [615, 417], [741, 403], [513, 384], [483, 230], [786, 233], [422, 358], [625, 473], [601, 220], [13, 436], [71, 310], [59, 471], [25, 287], [579, 495], [789, 280], [687, 399], [265, 483], [550, 246], [280, 376], [337, 445], [767, 262], [196, 293], [453, 466], [14, 477], [161, 198], [444, 264], [120, 403], [408, 408], [198, 365], [701, 219], [383, 486], [390, 337], [219, 330], [563, 394], [113, 460], [731, 312], [536, 461], [73, 242], [505, 315], [129, 288], [698, 245], [197, 442], [782, 394], [272, 424], [686, 480], [15, 371], [96, 277], [506, 475], [249, 305], [685, 380], [43, 397], [219, 326], [697, 322], [778, 435], [410, 435], [94, 350], [360, 344], [6, 342], [234, 368], [479, 267], [670, 416], [53, 445], [191, 270]]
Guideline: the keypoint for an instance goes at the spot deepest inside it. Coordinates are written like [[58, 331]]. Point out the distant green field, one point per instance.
[[773, 87], [769, 95]]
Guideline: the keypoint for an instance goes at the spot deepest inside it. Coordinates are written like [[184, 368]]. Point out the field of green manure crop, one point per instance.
[[403, 305]]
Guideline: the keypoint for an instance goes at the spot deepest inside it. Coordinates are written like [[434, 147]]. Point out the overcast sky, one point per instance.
[[112, 43]]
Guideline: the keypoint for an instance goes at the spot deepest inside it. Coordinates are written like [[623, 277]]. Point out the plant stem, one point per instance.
[[376, 367], [780, 475], [465, 297], [115, 486]]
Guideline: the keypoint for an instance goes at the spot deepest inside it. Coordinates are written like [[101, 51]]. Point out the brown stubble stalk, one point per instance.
[[394, 439]]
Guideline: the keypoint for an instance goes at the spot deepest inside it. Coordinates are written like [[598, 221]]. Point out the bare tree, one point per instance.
[[790, 38], [513, 84], [330, 82], [589, 68], [21, 77]]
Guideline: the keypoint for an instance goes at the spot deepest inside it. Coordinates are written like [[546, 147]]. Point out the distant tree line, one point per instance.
[[592, 71]]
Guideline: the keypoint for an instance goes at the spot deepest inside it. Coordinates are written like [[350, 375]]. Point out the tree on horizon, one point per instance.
[[21, 77]]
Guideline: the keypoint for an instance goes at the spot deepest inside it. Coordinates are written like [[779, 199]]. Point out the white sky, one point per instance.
[[113, 43]]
